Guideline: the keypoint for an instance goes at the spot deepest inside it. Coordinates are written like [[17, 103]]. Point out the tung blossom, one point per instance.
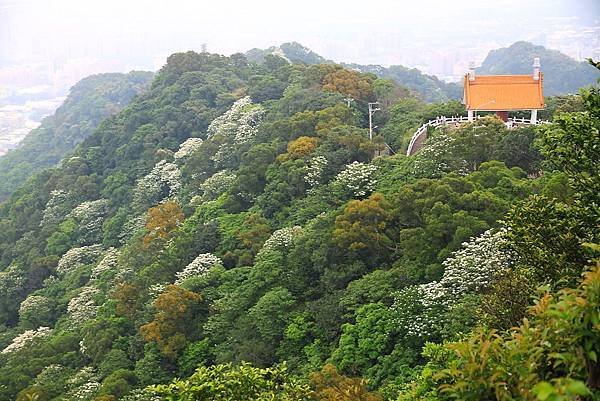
[[83, 307], [314, 172], [107, 263], [164, 181], [76, 257], [187, 148], [357, 178], [56, 208], [90, 216], [198, 267], [281, 239], [26, 338], [217, 184], [422, 308]]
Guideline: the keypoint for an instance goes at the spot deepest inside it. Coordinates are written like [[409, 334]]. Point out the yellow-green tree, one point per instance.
[[330, 385], [351, 83], [362, 225]]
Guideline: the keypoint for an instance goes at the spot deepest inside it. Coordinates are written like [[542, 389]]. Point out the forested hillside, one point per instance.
[[90, 101], [229, 235]]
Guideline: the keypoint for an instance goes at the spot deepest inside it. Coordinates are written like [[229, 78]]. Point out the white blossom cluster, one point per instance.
[[358, 178], [76, 257], [11, 280], [107, 263], [436, 158], [217, 184], [156, 289], [470, 269], [33, 303], [314, 172], [90, 216], [421, 309], [164, 181], [56, 208], [236, 126], [26, 338], [198, 267], [413, 316], [144, 394], [281, 239], [83, 307], [239, 123], [85, 392], [187, 148]]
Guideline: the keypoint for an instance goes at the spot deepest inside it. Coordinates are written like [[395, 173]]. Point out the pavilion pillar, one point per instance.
[[470, 114], [533, 117]]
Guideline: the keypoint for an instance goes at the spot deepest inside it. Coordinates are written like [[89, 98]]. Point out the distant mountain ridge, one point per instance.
[[90, 101], [428, 87], [562, 74]]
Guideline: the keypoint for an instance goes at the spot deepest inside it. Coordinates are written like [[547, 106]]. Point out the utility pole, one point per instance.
[[349, 99], [373, 107]]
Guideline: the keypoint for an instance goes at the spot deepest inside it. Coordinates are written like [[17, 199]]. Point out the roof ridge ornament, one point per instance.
[[536, 68]]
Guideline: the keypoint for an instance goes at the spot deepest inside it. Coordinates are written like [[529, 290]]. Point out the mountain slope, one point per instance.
[[562, 74], [90, 101], [236, 212]]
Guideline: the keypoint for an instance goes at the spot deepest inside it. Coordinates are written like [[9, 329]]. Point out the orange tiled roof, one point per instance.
[[503, 92]]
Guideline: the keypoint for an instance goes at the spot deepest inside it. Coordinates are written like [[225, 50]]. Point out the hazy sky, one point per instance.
[[138, 31]]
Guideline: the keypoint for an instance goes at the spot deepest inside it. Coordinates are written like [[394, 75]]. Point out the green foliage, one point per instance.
[[237, 383]]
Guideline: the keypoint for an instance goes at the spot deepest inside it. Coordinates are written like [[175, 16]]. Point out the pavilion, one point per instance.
[[504, 93]]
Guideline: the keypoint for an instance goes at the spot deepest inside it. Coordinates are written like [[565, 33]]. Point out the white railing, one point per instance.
[[442, 120]]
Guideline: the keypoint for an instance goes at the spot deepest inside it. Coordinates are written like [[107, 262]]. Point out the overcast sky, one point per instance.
[[359, 31]]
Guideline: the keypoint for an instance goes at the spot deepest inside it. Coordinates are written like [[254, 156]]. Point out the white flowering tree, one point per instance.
[[421, 309], [76, 257], [145, 394], [57, 208], [108, 263], [280, 240], [35, 311], [314, 171], [89, 217], [438, 157], [217, 184], [52, 376], [84, 385], [83, 307], [357, 178], [187, 148], [198, 267], [12, 281], [237, 126], [27, 338], [163, 182], [239, 122]]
